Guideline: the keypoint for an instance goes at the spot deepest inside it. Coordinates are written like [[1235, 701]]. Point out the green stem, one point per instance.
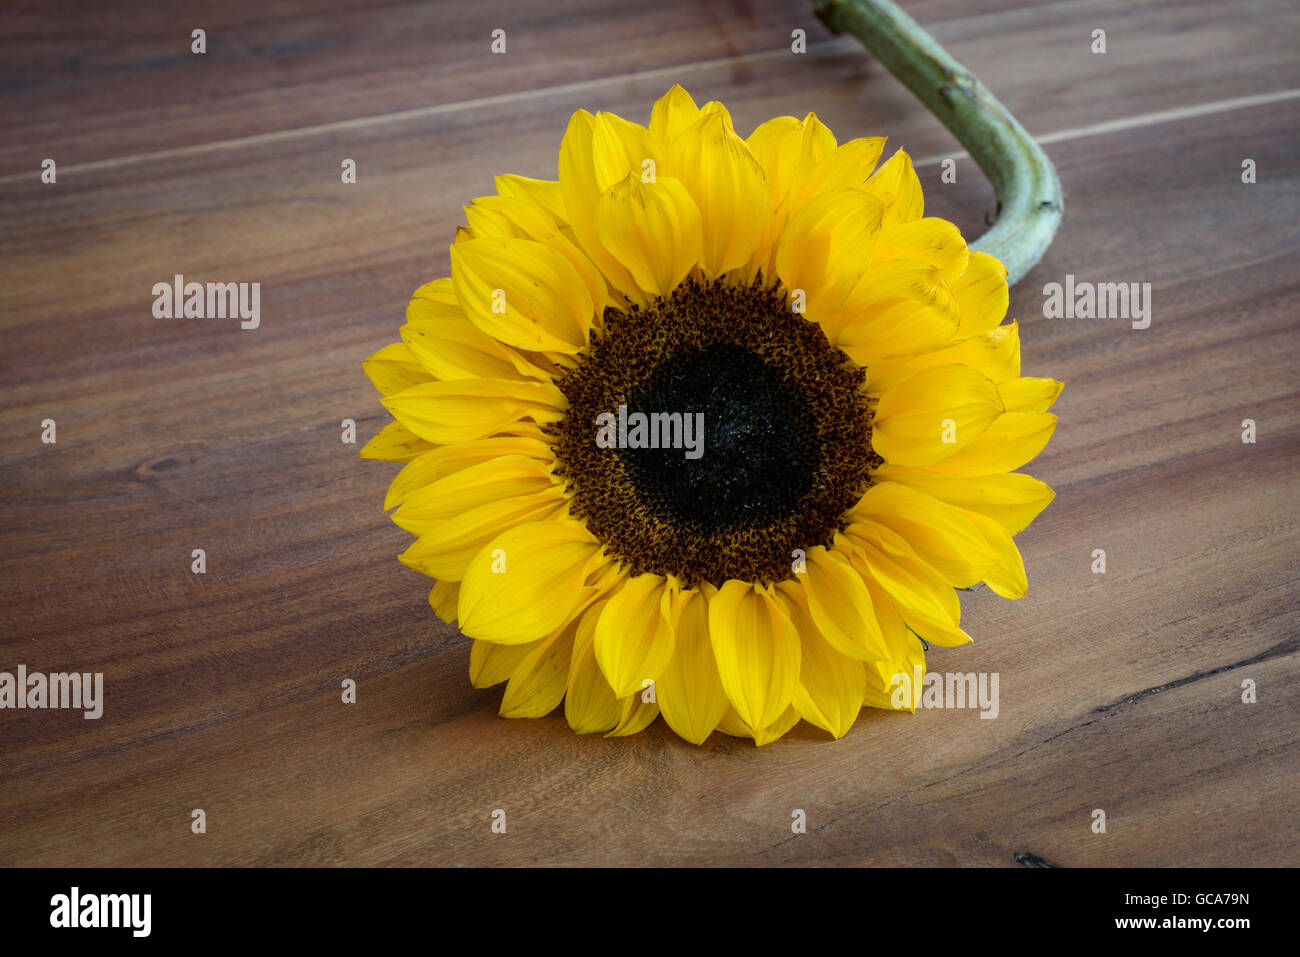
[[1029, 195]]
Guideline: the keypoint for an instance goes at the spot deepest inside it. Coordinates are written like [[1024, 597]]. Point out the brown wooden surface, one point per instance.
[[1118, 691]]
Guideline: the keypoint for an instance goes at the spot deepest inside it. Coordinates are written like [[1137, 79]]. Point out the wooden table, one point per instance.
[[1119, 691]]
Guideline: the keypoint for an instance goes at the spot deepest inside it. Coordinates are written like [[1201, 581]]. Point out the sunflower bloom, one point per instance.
[[710, 427]]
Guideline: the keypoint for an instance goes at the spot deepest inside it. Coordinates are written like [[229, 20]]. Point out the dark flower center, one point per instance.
[[759, 443], [785, 447]]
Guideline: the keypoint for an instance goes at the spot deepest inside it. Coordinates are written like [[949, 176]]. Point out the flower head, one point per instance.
[[711, 427]]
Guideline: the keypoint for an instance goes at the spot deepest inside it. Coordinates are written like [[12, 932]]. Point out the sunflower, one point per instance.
[[860, 411]]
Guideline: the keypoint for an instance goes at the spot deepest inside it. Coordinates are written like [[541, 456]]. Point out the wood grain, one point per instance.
[[1118, 691]]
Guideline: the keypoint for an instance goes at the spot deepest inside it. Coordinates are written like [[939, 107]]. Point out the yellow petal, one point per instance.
[[438, 291], [933, 415], [635, 714], [484, 483], [732, 724], [486, 223], [395, 443], [444, 598], [490, 663], [634, 636], [1012, 440], [757, 650], [537, 684], [927, 591], [769, 733], [995, 353], [447, 545], [716, 106], [546, 193], [982, 295], [1013, 499], [531, 220], [926, 602], [940, 534], [452, 347], [672, 113], [831, 686], [460, 513], [848, 164], [393, 369], [776, 145], [438, 462], [653, 229], [580, 193], [840, 606], [729, 188], [789, 151], [896, 685], [689, 691], [899, 306], [1006, 575], [1030, 395], [465, 409], [620, 147], [523, 293], [826, 247], [816, 142], [899, 189], [933, 241], [589, 703], [537, 582], [892, 625]]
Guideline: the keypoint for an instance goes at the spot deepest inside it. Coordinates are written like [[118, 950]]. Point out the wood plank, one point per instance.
[[118, 79]]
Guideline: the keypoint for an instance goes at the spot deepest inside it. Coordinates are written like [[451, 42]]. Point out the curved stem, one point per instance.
[[1030, 203]]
